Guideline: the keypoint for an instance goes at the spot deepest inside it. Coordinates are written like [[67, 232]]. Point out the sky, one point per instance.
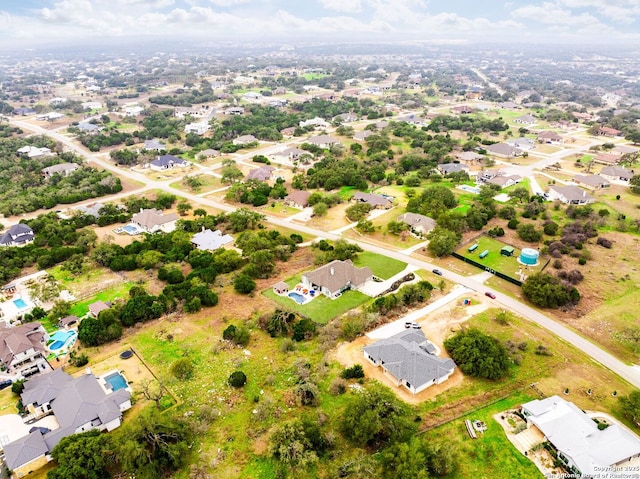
[[58, 22]]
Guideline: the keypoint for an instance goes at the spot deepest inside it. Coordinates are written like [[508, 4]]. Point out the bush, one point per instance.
[[338, 386], [548, 291], [80, 360], [239, 335], [182, 369], [604, 242], [18, 386], [237, 379], [513, 224], [582, 261], [244, 284], [354, 372], [478, 354]]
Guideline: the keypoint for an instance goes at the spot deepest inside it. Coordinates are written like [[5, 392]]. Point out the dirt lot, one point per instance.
[[436, 326]]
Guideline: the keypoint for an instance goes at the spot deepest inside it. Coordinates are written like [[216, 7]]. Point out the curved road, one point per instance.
[[628, 373]]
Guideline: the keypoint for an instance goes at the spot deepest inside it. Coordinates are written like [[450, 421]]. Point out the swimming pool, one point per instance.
[[130, 229], [116, 381], [470, 189], [298, 298], [20, 303], [60, 338]]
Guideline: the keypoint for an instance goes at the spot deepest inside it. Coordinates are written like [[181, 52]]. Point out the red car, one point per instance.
[[490, 294]]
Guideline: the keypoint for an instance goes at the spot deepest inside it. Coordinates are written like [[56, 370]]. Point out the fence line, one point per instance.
[[486, 268]]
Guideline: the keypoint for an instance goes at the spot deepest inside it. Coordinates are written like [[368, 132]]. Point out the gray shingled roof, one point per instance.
[[338, 274], [405, 355], [25, 450]]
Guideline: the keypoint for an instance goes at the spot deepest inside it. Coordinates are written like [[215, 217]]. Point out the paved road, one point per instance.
[[629, 373]]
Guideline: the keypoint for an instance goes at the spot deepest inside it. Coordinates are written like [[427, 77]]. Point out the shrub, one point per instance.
[[18, 386], [182, 369], [478, 354], [244, 284], [338, 386], [512, 224], [237, 334], [354, 372], [582, 260], [604, 242], [237, 379], [80, 360]]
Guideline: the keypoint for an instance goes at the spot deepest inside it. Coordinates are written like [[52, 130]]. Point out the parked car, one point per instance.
[[437, 271], [490, 294], [411, 324], [5, 384]]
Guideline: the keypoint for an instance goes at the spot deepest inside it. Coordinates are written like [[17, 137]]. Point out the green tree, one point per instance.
[[358, 211], [237, 379], [320, 209], [478, 354], [404, 461], [634, 184], [548, 291], [87, 455], [630, 406], [442, 242], [520, 193], [528, 232], [183, 207], [374, 417], [290, 445], [244, 284]]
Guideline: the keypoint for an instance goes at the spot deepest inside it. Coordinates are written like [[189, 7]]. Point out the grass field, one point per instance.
[[505, 264], [82, 307], [381, 266]]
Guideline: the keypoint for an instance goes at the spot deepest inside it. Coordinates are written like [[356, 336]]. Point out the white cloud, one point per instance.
[[346, 6], [559, 18], [228, 3], [622, 11]]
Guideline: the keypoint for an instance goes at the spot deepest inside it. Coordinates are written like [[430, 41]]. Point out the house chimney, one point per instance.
[[331, 271]]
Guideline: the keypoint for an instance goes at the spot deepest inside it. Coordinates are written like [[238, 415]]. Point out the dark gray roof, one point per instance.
[[338, 274], [168, 160], [447, 168], [372, 199], [418, 221], [24, 450], [408, 357]]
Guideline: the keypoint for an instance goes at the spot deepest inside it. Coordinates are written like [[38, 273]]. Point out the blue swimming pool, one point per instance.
[[298, 298], [60, 338], [20, 303], [130, 229], [116, 381]]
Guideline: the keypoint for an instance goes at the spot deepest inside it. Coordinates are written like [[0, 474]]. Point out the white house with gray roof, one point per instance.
[[208, 240], [410, 360], [577, 438], [570, 195], [152, 220], [78, 405], [335, 277]]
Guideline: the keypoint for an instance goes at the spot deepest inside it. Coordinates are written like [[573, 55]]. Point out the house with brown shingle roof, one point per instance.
[[616, 173], [298, 199], [419, 224], [335, 277], [592, 182], [607, 131], [152, 220], [22, 349], [376, 201], [550, 137]]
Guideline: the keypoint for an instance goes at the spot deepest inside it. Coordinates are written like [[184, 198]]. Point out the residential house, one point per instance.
[[524, 144], [625, 150], [469, 157], [23, 349], [62, 169], [234, 110], [409, 359], [376, 201], [78, 405], [208, 153], [298, 199], [281, 288], [152, 220], [487, 175], [591, 182], [503, 150], [51, 116], [17, 235], [580, 443], [291, 154], [260, 174], [280, 91], [24, 111], [167, 162], [34, 152], [316, 122], [528, 120], [252, 96], [448, 168], [245, 140], [419, 224], [288, 132], [606, 158], [550, 137], [570, 195], [362, 135], [98, 307], [199, 128], [208, 240], [335, 277], [68, 321], [380, 125], [609, 132], [154, 145], [504, 181], [91, 105], [88, 127], [346, 117], [462, 110], [323, 141], [133, 110], [412, 119], [202, 111], [582, 116], [92, 209], [616, 173], [508, 105]]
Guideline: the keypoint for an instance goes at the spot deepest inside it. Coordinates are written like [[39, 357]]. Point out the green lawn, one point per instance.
[[381, 266], [505, 264], [346, 192], [82, 307], [321, 309]]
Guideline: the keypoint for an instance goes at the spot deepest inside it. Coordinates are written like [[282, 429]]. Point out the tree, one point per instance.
[[404, 461], [528, 232], [289, 444], [354, 372], [630, 406], [478, 354], [374, 417], [238, 334], [634, 184], [183, 207], [520, 193], [358, 211], [547, 291], [442, 242], [87, 455], [244, 284], [237, 379], [320, 209]]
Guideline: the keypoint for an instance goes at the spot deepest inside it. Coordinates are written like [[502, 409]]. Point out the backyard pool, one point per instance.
[[20, 303], [471, 189], [61, 338], [115, 381], [298, 298], [130, 229]]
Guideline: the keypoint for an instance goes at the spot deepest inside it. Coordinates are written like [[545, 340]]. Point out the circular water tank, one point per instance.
[[529, 256]]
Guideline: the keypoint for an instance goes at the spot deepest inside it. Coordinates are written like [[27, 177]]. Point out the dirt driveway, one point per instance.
[[436, 326]]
